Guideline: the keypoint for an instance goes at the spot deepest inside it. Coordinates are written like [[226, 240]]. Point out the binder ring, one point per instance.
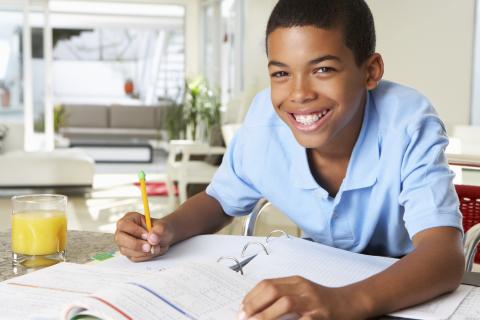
[[238, 266], [277, 231], [258, 243]]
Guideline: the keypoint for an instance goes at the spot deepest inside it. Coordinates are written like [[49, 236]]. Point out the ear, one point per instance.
[[374, 71]]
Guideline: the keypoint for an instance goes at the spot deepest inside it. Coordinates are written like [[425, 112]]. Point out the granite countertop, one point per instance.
[[81, 246]]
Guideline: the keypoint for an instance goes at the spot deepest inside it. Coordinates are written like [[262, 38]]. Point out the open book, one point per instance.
[[205, 288]]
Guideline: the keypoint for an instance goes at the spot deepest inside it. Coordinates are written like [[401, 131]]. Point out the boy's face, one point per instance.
[[317, 88]]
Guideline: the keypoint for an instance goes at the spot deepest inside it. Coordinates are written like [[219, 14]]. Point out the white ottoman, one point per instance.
[[59, 168]]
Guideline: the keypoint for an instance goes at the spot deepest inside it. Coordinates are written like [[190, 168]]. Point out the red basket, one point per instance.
[[469, 197]]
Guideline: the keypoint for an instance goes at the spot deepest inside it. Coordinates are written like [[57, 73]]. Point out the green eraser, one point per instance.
[[141, 175], [100, 256]]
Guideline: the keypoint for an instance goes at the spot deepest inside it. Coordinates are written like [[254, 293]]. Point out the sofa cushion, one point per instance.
[[87, 116], [138, 117]]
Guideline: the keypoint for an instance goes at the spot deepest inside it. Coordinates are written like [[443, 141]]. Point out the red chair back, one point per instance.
[[469, 197]]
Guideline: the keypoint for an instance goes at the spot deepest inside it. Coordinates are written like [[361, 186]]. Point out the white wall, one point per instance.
[[428, 44], [255, 59], [475, 117]]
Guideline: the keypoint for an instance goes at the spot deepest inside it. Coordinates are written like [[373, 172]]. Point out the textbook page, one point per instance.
[[193, 291], [203, 248], [75, 278], [439, 308], [319, 263], [470, 307], [24, 302], [333, 267], [45, 292]]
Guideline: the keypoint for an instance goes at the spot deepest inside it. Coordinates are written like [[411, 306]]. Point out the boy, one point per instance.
[[357, 163]]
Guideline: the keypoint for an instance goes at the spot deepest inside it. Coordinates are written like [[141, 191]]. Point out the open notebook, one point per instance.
[[204, 288]]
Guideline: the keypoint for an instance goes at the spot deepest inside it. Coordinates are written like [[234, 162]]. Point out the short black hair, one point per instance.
[[352, 16]]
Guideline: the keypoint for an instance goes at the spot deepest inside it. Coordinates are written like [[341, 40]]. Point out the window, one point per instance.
[[223, 46], [10, 61], [97, 48]]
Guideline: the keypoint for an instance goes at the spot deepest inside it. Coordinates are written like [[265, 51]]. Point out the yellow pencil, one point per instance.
[[146, 209]]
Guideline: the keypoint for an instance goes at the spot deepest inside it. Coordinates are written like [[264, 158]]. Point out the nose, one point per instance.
[[302, 91]]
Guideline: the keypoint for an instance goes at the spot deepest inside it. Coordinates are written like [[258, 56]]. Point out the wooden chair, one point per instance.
[[183, 170]]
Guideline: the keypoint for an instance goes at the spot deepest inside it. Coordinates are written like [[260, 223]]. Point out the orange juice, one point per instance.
[[39, 232]]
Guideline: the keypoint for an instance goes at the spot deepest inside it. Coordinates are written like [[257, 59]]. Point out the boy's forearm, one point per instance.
[[200, 214], [433, 268]]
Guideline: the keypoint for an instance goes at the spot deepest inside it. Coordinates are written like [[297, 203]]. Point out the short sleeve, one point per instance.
[[231, 185], [427, 191]]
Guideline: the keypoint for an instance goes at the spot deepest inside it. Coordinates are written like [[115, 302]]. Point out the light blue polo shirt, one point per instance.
[[397, 183]]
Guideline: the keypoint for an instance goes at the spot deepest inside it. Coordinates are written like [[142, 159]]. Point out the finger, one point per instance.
[[282, 308], [159, 250], [138, 256], [135, 256], [265, 293], [160, 234], [125, 240], [133, 223], [133, 253], [266, 285]]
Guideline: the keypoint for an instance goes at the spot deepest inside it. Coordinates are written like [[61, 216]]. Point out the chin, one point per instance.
[[309, 142]]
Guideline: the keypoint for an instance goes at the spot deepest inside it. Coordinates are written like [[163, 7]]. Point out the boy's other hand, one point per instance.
[[296, 298], [136, 243]]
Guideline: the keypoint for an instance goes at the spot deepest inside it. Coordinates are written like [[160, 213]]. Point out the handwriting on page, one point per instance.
[[192, 291], [204, 290]]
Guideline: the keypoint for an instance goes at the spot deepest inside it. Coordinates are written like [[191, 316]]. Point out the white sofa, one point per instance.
[[62, 168]]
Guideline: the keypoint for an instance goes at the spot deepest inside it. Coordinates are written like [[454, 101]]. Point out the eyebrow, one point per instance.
[[311, 62]]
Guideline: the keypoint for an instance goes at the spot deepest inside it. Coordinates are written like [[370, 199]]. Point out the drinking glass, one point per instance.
[[39, 230]]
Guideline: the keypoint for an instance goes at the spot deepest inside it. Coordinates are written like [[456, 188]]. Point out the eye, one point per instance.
[[323, 70], [279, 74]]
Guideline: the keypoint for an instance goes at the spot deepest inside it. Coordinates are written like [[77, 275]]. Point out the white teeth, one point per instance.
[[309, 119]]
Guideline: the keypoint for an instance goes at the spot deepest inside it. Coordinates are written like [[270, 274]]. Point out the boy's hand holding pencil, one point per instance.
[[138, 236]]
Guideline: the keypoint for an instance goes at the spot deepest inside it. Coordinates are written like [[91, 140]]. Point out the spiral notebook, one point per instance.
[[208, 289]]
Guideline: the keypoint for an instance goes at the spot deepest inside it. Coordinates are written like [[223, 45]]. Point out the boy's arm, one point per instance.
[[201, 214], [433, 268], [198, 215]]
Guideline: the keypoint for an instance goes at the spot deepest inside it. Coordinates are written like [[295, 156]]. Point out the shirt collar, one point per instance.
[[363, 168], [363, 165]]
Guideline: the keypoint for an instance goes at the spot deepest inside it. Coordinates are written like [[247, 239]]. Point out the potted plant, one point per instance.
[[195, 117]]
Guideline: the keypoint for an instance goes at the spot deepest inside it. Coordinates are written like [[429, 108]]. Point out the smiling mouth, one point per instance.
[[309, 119]]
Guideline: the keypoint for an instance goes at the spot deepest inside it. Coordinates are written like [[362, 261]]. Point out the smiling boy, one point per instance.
[[357, 163]]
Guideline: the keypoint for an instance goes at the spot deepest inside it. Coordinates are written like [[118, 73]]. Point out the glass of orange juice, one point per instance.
[[39, 230]]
